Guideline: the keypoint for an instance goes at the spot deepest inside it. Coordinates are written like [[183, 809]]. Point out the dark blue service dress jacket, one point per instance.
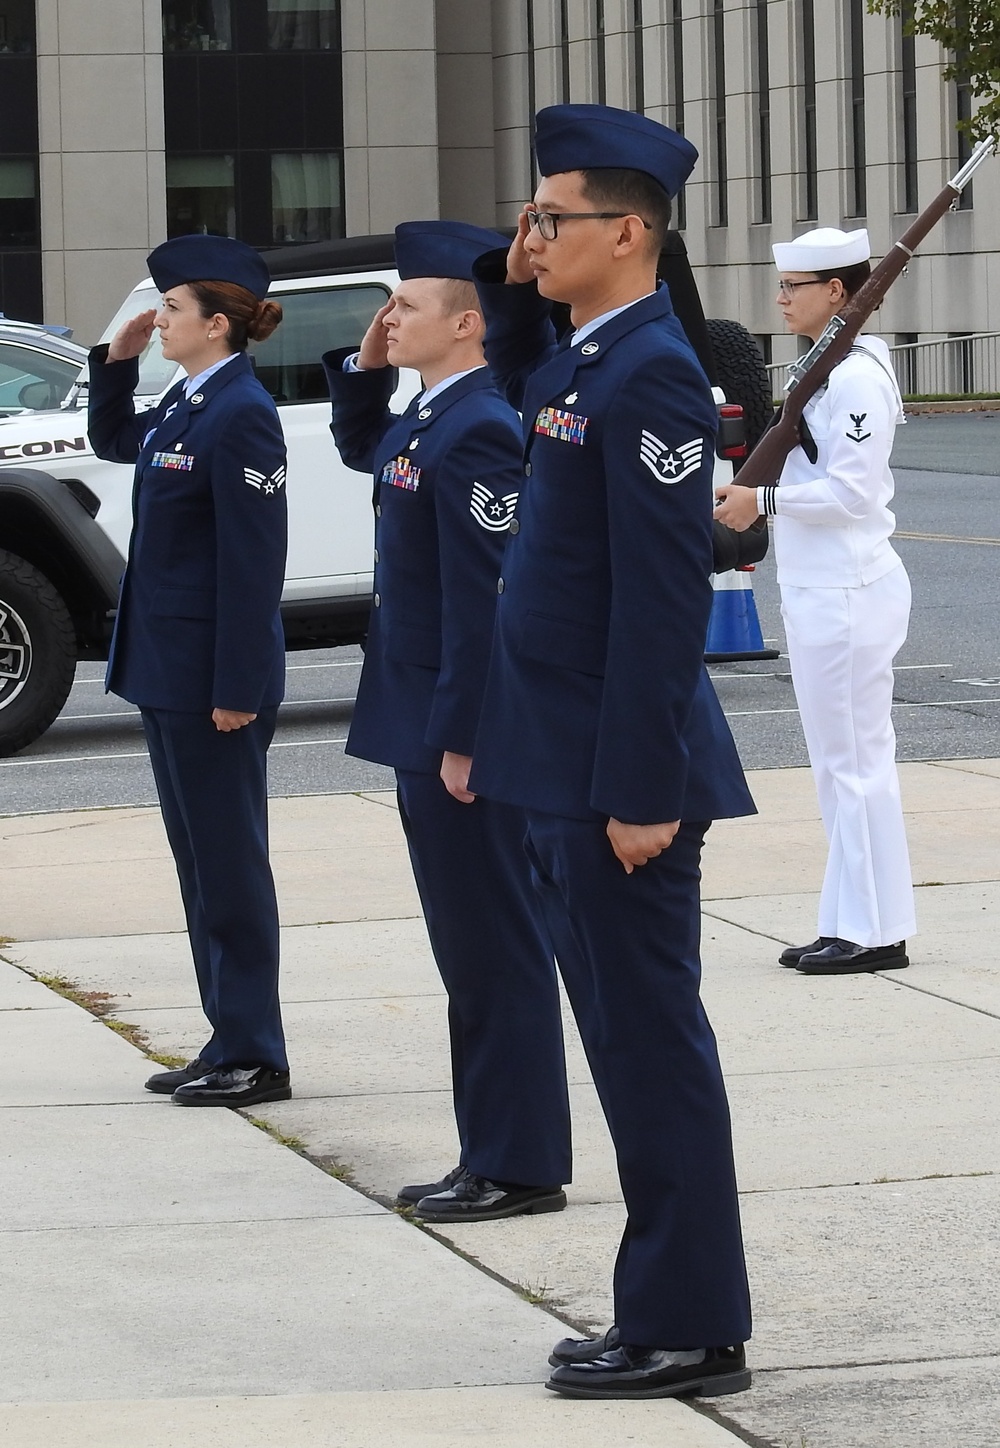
[[198, 625], [446, 484], [598, 701]]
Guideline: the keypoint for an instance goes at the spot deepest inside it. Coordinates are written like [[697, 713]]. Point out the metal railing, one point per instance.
[[948, 367]]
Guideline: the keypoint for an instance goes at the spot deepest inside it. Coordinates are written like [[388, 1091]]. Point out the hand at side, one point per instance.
[[455, 770], [635, 844], [225, 720]]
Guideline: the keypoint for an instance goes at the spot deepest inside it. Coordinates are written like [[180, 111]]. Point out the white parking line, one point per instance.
[[339, 664], [134, 713], [106, 758], [897, 704]]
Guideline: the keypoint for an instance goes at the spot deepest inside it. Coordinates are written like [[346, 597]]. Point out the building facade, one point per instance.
[[290, 120]]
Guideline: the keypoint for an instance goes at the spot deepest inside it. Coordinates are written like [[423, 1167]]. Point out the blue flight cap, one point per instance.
[[443, 248], [201, 258], [588, 138]]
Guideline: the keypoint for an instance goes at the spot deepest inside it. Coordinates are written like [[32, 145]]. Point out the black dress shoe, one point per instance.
[[570, 1350], [629, 1371], [410, 1196], [841, 957], [477, 1199], [235, 1087], [166, 1082], [792, 954]]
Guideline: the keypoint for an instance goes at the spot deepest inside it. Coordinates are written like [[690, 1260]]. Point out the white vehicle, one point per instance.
[[65, 515]]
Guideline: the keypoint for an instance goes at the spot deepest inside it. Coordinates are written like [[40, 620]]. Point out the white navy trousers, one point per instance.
[[841, 644]]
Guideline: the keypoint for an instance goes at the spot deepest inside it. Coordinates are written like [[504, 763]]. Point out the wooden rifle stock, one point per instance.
[[764, 464]]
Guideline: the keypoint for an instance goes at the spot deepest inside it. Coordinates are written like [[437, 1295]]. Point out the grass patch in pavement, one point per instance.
[[101, 1003]]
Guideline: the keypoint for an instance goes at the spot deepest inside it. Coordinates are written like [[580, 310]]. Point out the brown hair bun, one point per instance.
[[268, 316]]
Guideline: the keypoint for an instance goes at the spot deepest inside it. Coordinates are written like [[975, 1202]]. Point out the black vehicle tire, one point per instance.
[[37, 653], [742, 376]]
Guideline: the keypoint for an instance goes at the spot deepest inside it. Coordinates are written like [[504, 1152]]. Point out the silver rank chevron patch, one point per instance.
[[671, 464], [490, 511], [268, 483]]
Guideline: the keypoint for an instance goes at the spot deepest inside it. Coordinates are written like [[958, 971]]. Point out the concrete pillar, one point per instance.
[[103, 198], [391, 170]]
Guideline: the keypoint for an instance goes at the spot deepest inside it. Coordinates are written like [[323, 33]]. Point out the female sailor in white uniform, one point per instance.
[[845, 601]]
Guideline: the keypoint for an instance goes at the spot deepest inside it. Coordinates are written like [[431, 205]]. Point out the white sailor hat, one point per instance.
[[822, 250]]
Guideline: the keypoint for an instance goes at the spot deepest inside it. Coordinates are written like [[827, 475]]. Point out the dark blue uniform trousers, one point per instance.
[[213, 794], [628, 948], [508, 1067]]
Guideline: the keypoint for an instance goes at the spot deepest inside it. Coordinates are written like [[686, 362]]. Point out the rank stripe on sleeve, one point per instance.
[[670, 464], [490, 511], [265, 482]]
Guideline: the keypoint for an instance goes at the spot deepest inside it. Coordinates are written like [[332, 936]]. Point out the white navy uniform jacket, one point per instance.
[[832, 521]]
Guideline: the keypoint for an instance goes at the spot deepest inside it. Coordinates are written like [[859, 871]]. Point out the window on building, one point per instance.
[[303, 24], [17, 27], [856, 10], [721, 217], [201, 195], [810, 198], [529, 19], [197, 25], [313, 322], [964, 107], [762, 38], [306, 197], [564, 48], [18, 202], [676, 42], [600, 54], [638, 58], [908, 95]]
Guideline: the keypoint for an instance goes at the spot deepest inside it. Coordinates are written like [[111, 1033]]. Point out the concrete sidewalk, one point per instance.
[[864, 1109]]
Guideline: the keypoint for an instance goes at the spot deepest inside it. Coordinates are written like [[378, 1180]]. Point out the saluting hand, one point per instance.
[[736, 506], [132, 338], [374, 351], [518, 269], [225, 720], [635, 844]]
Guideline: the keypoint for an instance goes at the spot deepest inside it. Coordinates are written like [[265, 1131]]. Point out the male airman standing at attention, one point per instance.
[[447, 474], [600, 721]]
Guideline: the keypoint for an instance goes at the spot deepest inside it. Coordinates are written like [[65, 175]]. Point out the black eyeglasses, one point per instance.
[[548, 221], [788, 289]]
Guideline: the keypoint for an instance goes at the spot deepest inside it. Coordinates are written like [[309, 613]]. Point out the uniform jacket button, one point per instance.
[[515, 526], [378, 510], [500, 585], [377, 601], [527, 470], [376, 555]]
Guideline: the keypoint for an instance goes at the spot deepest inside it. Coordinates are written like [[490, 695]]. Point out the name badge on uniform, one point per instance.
[[401, 473], [563, 426], [181, 462]]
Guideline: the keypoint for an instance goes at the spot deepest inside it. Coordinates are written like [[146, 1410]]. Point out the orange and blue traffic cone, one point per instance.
[[734, 631]]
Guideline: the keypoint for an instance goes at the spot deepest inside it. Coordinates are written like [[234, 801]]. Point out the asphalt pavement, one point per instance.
[[947, 680]]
